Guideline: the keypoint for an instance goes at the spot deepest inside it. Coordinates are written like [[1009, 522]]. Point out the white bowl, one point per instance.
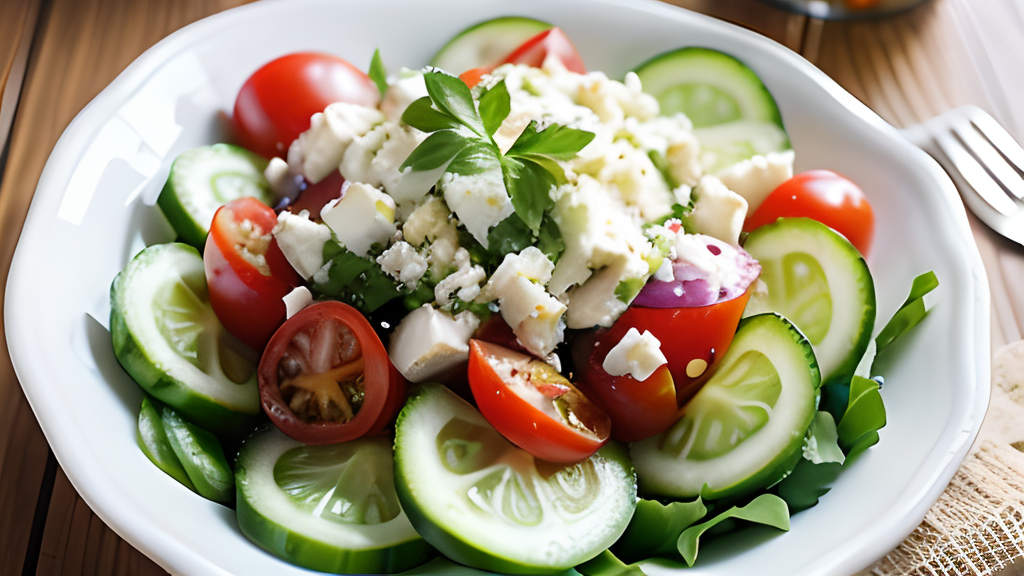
[[93, 210]]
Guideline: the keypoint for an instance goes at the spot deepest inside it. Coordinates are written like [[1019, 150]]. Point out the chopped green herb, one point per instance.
[[378, 73], [767, 509]]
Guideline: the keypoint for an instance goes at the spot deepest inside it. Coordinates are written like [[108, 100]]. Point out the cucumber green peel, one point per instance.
[[331, 508]]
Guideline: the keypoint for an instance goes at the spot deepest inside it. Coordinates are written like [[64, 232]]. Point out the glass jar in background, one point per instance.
[[846, 9]]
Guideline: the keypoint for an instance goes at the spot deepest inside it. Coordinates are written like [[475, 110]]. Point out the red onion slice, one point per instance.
[[700, 279]]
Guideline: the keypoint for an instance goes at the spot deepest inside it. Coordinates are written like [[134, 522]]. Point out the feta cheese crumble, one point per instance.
[[638, 355]]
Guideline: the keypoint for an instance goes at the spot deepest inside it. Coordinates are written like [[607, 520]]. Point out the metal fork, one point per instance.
[[984, 161]]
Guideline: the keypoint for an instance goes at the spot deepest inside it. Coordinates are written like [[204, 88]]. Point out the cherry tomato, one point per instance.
[[246, 272], [638, 409], [693, 341], [826, 197], [534, 406], [315, 196], [496, 331], [325, 377], [275, 103], [551, 42], [472, 76]]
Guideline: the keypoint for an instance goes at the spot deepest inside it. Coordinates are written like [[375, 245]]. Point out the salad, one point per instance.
[[528, 317]]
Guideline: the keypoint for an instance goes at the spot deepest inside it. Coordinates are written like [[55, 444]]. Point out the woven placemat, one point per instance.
[[977, 525]]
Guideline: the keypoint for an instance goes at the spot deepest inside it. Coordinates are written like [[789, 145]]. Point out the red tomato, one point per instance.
[[826, 197], [315, 196], [693, 341], [638, 409], [246, 272], [472, 76], [534, 406], [275, 103], [496, 331], [551, 42], [325, 377]]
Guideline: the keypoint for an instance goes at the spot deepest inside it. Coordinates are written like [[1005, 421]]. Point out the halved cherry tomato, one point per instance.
[[551, 42], [325, 377], [496, 331], [824, 196], [246, 272], [693, 340], [472, 76], [534, 406], [638, 409], [275, 103]]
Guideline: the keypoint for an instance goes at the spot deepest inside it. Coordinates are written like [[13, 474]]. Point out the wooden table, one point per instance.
[[56, 55]]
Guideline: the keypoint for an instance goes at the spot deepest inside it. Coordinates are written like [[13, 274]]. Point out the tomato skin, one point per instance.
[[825, 196], [525, 424], [472, 76], [638, 409], [274, 105], [701, 333], [315, 196], [552, 42], [247, 301], [384, 387]]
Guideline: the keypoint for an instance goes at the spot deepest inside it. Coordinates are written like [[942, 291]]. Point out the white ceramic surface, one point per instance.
[[93, 209]]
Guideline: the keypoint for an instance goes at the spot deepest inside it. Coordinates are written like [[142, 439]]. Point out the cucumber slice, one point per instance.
[[205, 178], [734, 116], [152, 439], [818, 280], [486, 43], [483, 502], [331, 508], [744, 429], [200, 454], [709, 86], [723, 145], [167, 337]]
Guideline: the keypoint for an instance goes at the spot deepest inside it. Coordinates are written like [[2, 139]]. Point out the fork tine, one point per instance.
[[990, 158], [998, 136], [975, 175]]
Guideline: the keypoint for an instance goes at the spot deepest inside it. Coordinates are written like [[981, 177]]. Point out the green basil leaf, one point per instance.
[[864, 416], [452, 97], [555, 141], [655, 528], [378, 73], [495, 104], [606, 564], [354, 280], [476, 157], [511, 235], [422, 116], [438, 148], [529, 185], [910, 313], [767, 509], [550, 241], [807, 483]]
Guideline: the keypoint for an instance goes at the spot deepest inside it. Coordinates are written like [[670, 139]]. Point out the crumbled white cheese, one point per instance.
[[638, 355], [318, 151], [428, 343], [429, 221], [296, 300], [479, 200], [301, 241], [362, 217], [718, 211], [757, 177], [408, 88], [281, 180], [594, 303], [376, 159], [533, 313], [403, 263], [464, 282]]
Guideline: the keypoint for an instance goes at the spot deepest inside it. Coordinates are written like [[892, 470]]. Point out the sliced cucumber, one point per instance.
[[205, 178], [152, 439], [733, 114], [709, 86], [488, 504], [331, 508], [744, 429], [486, 43], [167, 337], [202, 457], [818, 280]]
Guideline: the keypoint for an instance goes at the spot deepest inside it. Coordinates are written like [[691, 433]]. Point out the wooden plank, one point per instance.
[[79, 49], [783, 27], [17, 27]]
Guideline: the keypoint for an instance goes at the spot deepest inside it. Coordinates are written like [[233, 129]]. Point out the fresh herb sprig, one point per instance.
[[462, 138]]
